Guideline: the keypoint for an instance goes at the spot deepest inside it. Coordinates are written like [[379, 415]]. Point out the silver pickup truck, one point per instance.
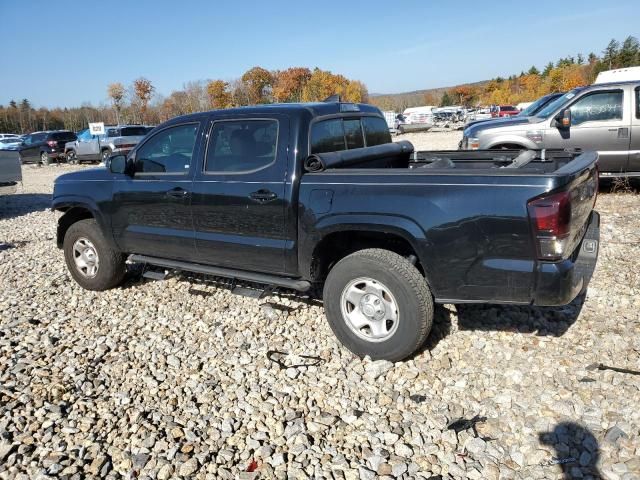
[[603, 117], [10, 171], [118, 139]]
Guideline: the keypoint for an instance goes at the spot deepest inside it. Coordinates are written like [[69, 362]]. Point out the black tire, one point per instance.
[[44, 158], [72, 159], [409, 291], [106, 153], [111, 266]]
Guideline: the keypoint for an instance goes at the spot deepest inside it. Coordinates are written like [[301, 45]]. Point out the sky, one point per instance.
[[65, 53]]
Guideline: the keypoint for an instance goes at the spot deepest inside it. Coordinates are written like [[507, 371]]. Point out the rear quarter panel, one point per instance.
[[470, 232]]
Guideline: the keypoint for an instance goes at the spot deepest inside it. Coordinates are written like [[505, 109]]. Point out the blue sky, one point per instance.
[[64, 53]]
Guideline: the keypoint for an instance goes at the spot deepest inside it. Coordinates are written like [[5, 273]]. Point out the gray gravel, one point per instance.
[[171, 379]]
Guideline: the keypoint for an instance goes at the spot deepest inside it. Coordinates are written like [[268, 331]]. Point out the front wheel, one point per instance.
[[72, 158], [44, 158], [90, 260], [378, 304], [105, 155]]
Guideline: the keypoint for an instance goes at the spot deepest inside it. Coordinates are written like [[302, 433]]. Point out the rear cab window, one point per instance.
[[63, 136], [347, 133]]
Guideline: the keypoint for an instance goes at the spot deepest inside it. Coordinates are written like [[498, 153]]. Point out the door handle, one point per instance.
[[263, 196], [177, 193]]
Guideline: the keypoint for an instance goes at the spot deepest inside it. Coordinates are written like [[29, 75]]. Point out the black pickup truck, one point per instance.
[[306, 195]]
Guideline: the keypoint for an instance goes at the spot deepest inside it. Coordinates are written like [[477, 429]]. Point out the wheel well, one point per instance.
[[338, 245], [508, 146], [70, 216]]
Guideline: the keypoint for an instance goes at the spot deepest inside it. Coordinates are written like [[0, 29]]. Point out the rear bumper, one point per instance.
[[559, 283]]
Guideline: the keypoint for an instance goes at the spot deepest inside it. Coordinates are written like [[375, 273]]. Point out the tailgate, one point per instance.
[[10, 168]]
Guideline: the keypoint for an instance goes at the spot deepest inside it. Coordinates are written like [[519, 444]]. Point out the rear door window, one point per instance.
[[376, 131], [242, 146]]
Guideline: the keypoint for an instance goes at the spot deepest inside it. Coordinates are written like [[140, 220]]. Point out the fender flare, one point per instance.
[[66, 203], [514, 140], [397, 225]]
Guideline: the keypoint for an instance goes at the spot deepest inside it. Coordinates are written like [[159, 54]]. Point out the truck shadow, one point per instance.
[[18, 204], [543, 321]]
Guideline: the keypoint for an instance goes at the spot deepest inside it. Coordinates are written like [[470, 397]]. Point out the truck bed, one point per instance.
[[497, 161]]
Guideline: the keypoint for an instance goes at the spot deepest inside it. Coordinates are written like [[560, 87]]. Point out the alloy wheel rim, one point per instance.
[[369, 309], [85, 257]]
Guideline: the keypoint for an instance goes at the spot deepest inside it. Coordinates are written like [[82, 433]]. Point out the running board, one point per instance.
[[300, 285]]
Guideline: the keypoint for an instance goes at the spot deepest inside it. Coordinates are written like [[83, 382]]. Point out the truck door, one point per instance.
[[600, 121], [238, 203], [152, 208], [83, 145], [634, 148]]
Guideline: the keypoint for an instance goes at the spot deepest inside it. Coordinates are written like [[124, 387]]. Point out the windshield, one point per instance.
[[10, 140], [547, 111], [537, 105]]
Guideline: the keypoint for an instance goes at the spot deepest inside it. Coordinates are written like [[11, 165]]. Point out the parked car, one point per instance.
[[10, 171], [531, 110], [9, 135], [10, 143], [118, 139], [302, 195], [500, 111], [602, 117], [43, 147]]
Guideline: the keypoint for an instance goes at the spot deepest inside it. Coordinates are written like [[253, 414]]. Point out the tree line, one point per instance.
[[564, 74], [139, 102]]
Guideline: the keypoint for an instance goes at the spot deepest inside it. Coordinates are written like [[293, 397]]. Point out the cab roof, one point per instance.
[[315, 109]]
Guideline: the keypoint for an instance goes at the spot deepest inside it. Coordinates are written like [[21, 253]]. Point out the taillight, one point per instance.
[[52, 143], [551, 220], [126, 145]]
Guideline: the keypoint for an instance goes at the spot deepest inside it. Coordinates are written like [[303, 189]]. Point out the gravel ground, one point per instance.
[[434, 139], [172, 379]]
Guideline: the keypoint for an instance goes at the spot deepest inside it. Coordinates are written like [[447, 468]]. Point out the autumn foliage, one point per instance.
[[565, 74]]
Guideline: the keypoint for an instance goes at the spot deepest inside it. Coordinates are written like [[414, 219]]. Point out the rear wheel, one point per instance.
[[44, 158], [90, 260], [378, 304]]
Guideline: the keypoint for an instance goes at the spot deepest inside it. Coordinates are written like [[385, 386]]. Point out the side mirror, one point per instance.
[[117, 163], [563, 119]]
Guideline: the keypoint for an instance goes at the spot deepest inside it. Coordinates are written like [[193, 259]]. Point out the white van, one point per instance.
[[619, 75]]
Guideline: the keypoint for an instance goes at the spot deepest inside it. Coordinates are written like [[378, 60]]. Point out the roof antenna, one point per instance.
[[332, 98]]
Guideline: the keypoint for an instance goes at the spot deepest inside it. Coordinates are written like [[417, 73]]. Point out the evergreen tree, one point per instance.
[[629, 53], [533, 71], [611, 52]]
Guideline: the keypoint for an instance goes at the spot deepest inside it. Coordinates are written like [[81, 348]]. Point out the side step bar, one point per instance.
[[300, 285]]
